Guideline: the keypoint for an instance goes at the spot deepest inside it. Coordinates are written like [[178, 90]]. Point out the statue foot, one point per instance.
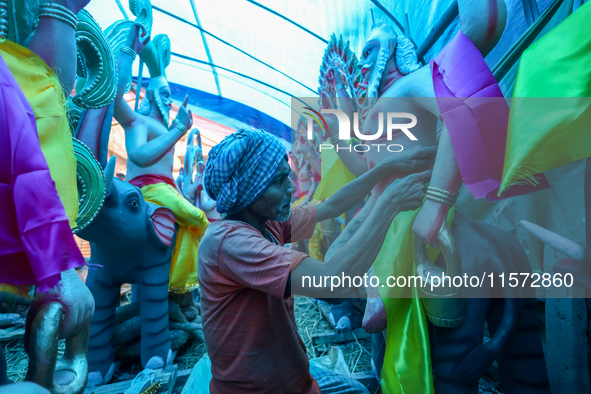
[[96, 378], [156, 362], [374, 318], [343, 324], [341, 316], [63, 377]]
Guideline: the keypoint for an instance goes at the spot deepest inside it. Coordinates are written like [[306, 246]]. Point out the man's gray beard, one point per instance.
[[283, 217]]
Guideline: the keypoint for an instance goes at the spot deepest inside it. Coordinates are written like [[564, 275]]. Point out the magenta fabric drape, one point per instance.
[[36, 242]]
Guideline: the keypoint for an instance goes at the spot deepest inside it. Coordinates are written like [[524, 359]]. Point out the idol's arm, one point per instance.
[[446, 175], [483, 22], [54, 42], [122, 111], [145, 154], [351, 159], [345, 102]]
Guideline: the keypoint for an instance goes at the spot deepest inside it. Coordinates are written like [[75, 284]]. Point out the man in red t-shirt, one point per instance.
[[247, 276]]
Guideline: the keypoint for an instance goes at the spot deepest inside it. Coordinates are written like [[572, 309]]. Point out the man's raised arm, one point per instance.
[[359, 253], [419, 157]]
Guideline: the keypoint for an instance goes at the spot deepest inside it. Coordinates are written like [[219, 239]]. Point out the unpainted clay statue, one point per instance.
[[389, 67]]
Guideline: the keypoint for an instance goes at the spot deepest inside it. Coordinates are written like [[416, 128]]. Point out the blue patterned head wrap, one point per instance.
[[241, 167]]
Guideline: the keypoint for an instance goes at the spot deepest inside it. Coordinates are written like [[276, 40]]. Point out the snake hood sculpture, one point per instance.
[[156, 55], [384, 39]]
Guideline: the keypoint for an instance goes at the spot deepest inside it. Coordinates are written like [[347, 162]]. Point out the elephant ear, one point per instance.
[[91, 185], [96, 86]]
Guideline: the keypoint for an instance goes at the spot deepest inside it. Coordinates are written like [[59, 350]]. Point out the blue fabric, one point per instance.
[[240, 168]]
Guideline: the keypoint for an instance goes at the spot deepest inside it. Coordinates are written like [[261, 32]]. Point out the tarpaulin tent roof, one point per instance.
[[242, 60]]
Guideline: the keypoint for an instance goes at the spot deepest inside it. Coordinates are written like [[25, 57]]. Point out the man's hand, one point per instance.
[[413, 159], [185, 116], [407, 193], [75, 298], [138, 38]]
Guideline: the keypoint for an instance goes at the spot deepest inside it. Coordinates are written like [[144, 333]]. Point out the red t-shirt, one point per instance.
[[248, 322]]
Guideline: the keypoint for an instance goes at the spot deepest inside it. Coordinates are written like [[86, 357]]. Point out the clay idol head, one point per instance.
[[159, 96], [383, 45], [156, 56]]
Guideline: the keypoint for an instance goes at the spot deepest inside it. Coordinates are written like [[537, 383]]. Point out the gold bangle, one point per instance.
[[442, 191], [440, 200], [128, 51], [57, 17], [181, 127], [59, 12], [334, 139]]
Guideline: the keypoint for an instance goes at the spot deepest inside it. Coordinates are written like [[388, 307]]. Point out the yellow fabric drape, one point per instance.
[[43, 91], [192, 224], [315, 243], [334, 175]]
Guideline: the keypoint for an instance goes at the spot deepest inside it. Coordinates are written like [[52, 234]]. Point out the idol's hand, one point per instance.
[[191, 185], [76, 301], [417, 158], [407, 193], [185, 116], [138, 37], [335, 76], [332, 122], [428, 222]]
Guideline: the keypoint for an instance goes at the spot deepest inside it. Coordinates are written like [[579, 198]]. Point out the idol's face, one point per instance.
[[368, 60], [164, 93], [274, 204]]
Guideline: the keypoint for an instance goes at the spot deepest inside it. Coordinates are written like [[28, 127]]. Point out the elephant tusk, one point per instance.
[[109, 173], [565, 245]]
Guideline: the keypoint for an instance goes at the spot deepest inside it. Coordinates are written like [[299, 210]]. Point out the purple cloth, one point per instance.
[[36, 242], [476, 116]]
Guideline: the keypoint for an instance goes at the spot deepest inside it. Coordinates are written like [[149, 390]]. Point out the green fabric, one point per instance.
[[551, 112], [505, 70], [407, 359]]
